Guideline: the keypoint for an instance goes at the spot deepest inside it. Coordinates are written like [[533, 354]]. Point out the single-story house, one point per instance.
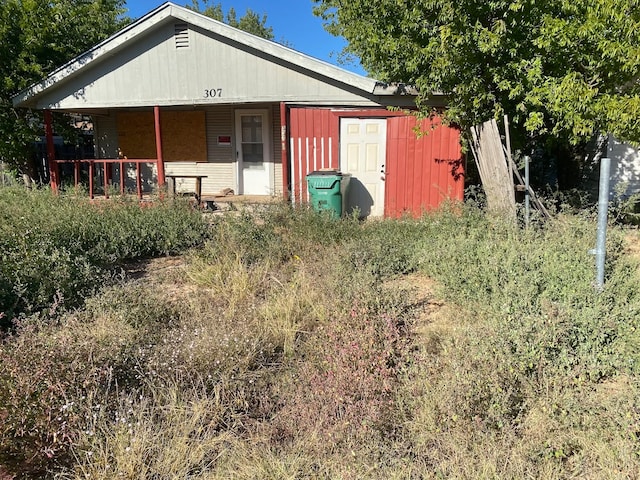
[[179, 95]]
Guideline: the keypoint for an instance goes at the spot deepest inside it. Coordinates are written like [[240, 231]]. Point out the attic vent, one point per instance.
[[181, 35]]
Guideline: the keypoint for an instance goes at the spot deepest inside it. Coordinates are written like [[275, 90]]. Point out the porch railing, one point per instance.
[[106, 164]]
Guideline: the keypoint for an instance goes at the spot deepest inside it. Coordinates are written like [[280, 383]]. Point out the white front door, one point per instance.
[[363, 147], [253, 152]]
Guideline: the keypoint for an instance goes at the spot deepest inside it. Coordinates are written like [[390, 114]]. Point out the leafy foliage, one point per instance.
[[36, 38], [250, 22], [565, 67]]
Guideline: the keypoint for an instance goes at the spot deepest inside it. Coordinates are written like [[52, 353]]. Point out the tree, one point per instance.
[[35, 38], [561, 69], [251, 22]]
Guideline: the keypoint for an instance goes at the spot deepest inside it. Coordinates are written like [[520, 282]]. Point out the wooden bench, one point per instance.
[[171, 184]]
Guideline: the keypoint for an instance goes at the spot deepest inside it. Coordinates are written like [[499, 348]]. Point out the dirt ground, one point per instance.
[[167, 274]]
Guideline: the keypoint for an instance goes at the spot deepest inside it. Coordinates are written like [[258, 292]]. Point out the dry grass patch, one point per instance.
[[175, 433], [435, 322]]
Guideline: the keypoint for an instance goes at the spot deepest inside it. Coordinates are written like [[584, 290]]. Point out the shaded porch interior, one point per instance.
[[137, 150]]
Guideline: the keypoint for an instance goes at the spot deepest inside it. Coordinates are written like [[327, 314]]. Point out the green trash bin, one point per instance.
[[327, 190]]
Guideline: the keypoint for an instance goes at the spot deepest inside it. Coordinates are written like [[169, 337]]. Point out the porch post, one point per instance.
[[160, 159], [51, 151], [285, 157]]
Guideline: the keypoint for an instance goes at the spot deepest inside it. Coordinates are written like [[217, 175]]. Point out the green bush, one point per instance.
[[61, 247], [538, 286]]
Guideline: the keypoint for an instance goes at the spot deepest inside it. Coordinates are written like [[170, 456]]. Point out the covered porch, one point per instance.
[[211, 152]]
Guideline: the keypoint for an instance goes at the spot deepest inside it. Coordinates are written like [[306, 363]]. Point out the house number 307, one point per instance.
[[213, 93]]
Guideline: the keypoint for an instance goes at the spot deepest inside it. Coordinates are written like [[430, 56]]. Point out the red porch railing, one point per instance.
[[105, 164], [54, 164]]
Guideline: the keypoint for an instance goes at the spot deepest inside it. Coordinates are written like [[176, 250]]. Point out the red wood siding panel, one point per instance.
[[313, 144], [421, 171]]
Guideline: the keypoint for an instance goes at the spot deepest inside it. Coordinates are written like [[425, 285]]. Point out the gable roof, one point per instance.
[[169, 12]]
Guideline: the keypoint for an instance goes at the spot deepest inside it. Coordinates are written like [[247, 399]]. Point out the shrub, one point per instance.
[[343, 385], [384, 249], [62, 247], [56, 375]]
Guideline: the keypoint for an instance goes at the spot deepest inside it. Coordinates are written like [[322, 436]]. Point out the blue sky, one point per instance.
[[292, 21]]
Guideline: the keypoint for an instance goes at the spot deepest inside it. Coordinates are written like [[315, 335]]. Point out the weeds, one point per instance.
[[533, 345], [175, 433], [288, 347], [63, 246], [343, 391]]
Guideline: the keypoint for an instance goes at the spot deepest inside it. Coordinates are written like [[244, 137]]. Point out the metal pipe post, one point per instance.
[[603, 206], [527, 199]]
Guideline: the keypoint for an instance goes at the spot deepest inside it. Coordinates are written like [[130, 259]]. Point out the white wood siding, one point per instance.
[[277, 151], [220, 169], [210, 70]]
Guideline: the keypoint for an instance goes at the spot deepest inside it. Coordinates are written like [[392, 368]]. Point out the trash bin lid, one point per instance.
[[326, 172]]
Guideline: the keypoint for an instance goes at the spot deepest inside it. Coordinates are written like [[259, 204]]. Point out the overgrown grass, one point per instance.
[[292, 345], [57, 249], [543, 369]]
